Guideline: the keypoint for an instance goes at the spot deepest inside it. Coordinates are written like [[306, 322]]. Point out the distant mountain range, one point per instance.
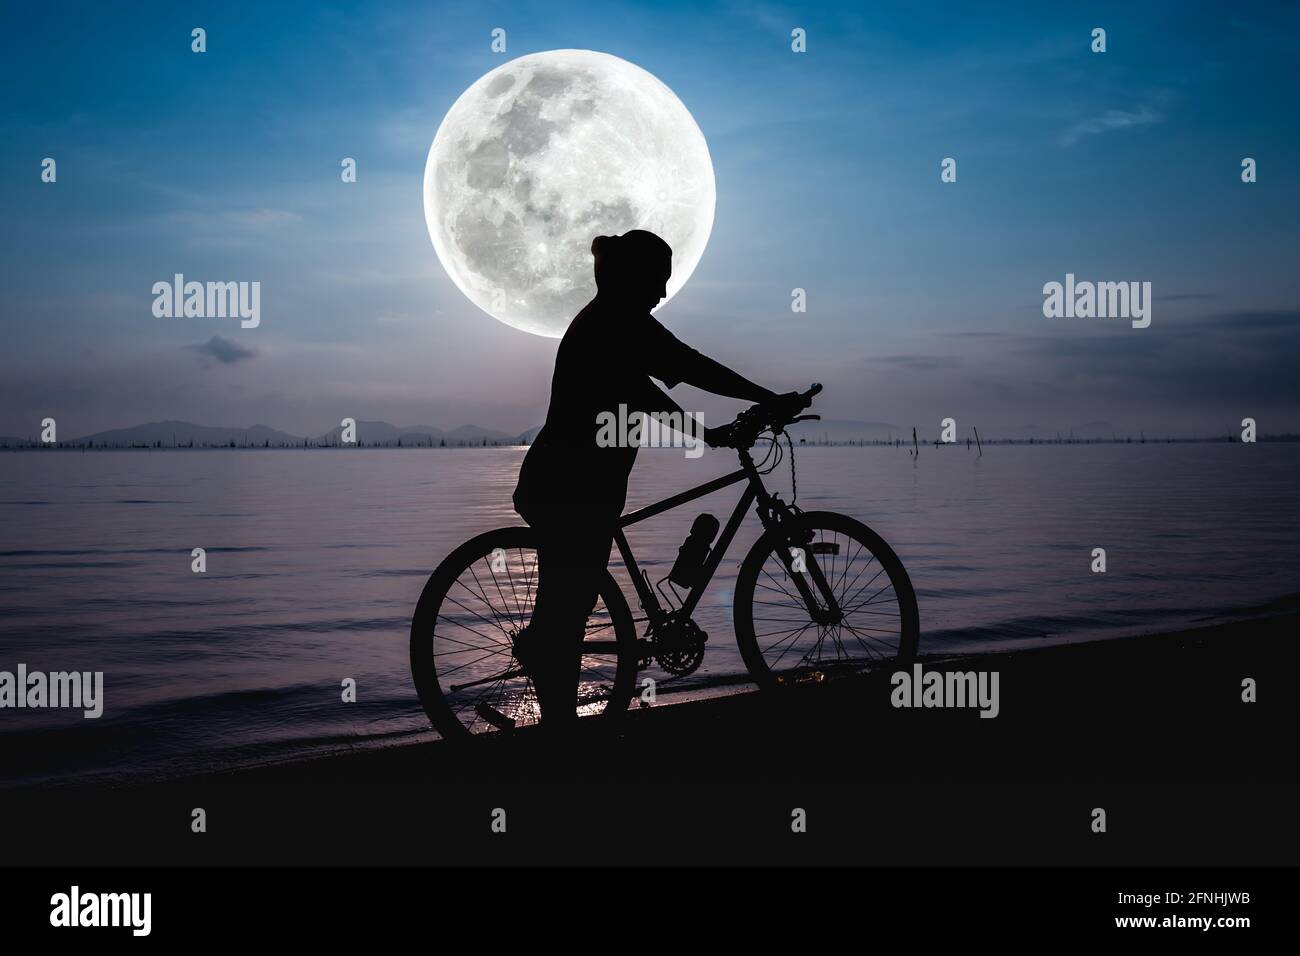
[[382, 433], [170, 434]]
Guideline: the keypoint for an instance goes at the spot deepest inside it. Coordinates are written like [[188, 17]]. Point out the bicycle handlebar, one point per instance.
[[774, 416]]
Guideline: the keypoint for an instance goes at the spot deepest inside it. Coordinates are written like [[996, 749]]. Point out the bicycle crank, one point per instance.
[[679, 646]]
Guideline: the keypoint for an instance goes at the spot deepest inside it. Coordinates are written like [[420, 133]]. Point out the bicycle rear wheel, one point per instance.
[[463, 632], [780, 639]]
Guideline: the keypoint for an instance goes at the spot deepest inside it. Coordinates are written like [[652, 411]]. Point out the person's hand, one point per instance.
[[719, 437], [789, 402]]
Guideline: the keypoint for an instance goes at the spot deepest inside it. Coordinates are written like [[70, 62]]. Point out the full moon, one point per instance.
[[545, 153]]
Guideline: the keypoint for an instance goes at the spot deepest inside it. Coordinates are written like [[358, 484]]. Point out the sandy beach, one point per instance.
[[1153, 730]]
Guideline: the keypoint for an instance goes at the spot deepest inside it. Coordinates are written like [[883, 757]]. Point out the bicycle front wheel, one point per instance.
[[462, 640], [863, 612]]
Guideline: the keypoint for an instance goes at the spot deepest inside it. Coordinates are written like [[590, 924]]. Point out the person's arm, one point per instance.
[[659, 404], [659, 400], [712, 376], [673, 361]]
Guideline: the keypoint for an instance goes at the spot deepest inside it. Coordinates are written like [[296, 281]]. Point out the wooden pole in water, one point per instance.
[[977, 442], [916, 449]]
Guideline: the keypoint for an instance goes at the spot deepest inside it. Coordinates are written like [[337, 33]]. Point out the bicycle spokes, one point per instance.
[[829, 604], [487, 605]]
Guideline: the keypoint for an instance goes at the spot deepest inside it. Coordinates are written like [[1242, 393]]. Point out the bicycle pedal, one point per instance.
[[494, 717]]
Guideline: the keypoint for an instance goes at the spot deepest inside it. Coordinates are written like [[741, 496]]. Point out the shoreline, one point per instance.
[[1151, 728], [1281, 439], [1043, 680]]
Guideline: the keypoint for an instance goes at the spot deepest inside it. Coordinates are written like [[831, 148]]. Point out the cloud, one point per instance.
[[1231, 360], [262, 220], [916, 362], [1110, 120], [1253, 321], [223, 350], [768, 17], [1187, 297]]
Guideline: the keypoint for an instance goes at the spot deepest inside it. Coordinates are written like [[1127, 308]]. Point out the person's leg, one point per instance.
[[581, 596], [548, 623], [571, 563]]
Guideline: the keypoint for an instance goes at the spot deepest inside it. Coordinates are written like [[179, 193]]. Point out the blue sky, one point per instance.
[[924, 298]]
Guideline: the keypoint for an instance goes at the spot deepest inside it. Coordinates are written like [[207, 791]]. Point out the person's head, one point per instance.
[[633, 268]]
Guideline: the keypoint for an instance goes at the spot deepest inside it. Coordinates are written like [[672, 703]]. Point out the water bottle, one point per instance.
[[694, 551]]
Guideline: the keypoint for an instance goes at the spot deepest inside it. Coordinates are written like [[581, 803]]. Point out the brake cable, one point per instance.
[[794, 480]]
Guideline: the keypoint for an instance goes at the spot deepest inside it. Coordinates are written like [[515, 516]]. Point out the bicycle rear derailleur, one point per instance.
[[677, 645]]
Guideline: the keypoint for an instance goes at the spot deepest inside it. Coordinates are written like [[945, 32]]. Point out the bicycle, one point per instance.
[[803, 572]]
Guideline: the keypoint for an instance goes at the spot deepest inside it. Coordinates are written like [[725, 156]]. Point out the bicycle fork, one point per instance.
[[800, 561], [798, 554]]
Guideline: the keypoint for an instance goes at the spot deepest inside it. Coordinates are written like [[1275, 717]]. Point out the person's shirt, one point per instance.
[[606, 361], [604, 365]]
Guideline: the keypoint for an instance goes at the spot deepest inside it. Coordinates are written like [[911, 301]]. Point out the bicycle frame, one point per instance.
[[755, 492]]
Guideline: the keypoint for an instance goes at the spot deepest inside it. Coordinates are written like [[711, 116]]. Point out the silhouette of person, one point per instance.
[[571, 490]]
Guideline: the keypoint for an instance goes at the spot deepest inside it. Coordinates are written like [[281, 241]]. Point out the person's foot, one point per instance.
[[525, 649], [555, 696], [530, 657]]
